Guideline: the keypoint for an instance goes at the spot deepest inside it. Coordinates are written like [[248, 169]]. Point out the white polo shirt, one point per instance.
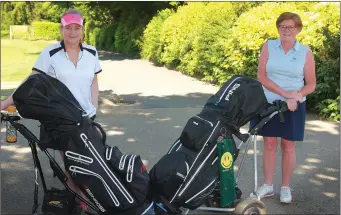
[[54, 61]]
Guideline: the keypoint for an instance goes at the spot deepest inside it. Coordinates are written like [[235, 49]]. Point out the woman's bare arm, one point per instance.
[[95, 92], [309, 75]]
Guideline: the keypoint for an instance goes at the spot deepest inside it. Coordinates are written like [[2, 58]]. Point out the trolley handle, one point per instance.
[[9, 118], [278, 107]]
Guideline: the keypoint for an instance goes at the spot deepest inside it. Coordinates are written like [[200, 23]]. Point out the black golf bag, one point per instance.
[[113, 182], [188, 173]]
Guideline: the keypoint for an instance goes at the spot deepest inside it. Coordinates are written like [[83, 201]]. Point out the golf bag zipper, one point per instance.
[[130, 168], [108, 155], [171, 149], [214, 160], [190, 199], [80, 170], [78, 157], [112, 176], [223, 94], [189, 182], [205, 120], [196, 172], [122, 162]]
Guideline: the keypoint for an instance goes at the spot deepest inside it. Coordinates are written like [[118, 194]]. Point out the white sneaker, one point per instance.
[[266, 190], [285, 196]]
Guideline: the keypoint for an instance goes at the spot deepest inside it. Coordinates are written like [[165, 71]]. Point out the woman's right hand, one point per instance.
[[292, 104], [293, 95], [4, 104]]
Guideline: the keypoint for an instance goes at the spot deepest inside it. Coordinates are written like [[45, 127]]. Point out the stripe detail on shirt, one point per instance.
[[90, 50], [54, 51], [38, 70]]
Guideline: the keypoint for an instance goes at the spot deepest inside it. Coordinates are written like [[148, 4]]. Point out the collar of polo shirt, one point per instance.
[[63, 45]]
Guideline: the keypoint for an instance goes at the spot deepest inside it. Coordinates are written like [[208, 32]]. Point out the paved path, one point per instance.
[[164, 101]]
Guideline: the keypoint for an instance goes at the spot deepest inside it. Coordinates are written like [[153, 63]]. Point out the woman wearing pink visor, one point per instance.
[[76, 65]]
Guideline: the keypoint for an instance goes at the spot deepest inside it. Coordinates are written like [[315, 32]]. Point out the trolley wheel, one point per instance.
[[250, 206]]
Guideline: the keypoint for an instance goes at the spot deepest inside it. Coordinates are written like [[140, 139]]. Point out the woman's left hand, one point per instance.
[[292, 104]]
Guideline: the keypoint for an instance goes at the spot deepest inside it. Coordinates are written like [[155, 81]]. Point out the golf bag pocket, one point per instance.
[[131, 170], [92, 167], [169, 173], [196, 133], [58, 201]]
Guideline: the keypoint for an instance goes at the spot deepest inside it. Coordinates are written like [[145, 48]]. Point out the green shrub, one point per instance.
[[324, 38], [4, 33], [208, 53], [329, 108], [179, 31], [94, 37], [106, 38], [109, 32], [192, 39], [127, 37], [88, 29], [121, 36], [43, 30], [152, 45]]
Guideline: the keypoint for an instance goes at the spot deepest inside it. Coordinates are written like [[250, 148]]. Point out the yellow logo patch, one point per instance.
[[55, 203], [226, 160]]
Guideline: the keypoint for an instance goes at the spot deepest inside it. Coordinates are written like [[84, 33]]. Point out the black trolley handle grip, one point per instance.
[[280, 106]]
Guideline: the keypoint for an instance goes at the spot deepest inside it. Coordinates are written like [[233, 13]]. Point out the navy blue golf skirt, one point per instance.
[[291, 129]]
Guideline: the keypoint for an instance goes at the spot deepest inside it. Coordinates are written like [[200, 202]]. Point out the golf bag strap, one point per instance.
[[35, 163]]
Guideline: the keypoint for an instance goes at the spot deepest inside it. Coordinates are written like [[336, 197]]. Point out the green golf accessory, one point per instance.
[[226, 172]]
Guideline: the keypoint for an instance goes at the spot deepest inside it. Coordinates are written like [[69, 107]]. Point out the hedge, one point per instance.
[[152, 45], [123, 37], [43, 30], [216, 40], [4, 33], [191, 40]]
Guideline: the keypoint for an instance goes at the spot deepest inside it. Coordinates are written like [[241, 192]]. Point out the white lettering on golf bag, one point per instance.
[[78, 158], [222, 95], [235, 86], [95, 200]]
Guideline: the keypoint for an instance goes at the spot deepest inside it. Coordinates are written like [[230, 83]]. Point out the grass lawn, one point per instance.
[[18, 57]]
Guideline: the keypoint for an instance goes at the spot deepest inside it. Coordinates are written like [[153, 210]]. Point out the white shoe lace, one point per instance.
[[285, 191]]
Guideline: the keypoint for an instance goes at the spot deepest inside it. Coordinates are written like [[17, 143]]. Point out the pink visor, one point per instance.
[[72, 19]]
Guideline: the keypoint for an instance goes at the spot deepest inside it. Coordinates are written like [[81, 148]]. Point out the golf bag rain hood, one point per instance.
[[238, 101], [46, 99], [114, 182]]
